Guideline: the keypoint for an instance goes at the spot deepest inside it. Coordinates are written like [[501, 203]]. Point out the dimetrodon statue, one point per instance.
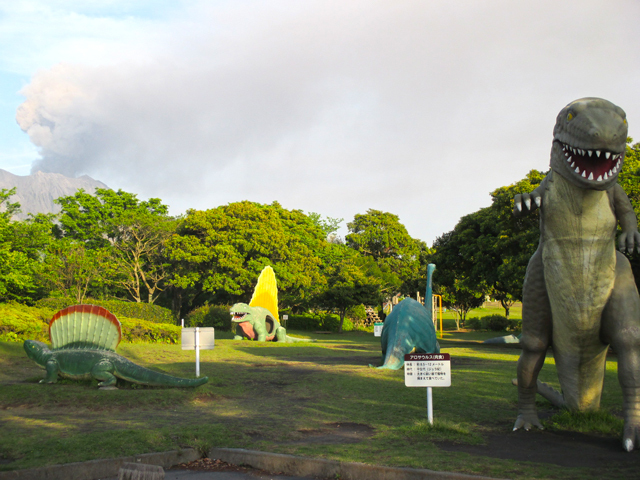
[[579, 293], [83, 343], [259, 319]]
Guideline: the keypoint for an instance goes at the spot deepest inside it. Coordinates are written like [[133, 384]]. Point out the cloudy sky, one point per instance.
[[419, 108]]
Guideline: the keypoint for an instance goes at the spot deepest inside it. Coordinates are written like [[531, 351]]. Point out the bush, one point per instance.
[[141, 331], [19, 323], [323, 322], [474, 323], [143, 311], [495, 323], [216, 316], [357, 314]]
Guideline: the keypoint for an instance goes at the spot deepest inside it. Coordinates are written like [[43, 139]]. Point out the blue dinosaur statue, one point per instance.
[[409, 329]]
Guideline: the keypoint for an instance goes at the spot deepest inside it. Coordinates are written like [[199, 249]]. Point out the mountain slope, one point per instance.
[[36, 193]]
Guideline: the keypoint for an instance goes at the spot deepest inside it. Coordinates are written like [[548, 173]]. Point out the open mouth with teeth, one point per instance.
[[596, 165], [238, 316]]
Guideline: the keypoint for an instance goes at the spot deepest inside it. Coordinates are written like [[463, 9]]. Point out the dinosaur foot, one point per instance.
[[630, 437], [527, 421]]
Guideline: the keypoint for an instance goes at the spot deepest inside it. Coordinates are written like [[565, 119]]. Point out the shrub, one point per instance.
[[357, 314], [496, 323], [143, 311], [474, 323], [216, 316], [141, 331], [19, 323], [324, 322]]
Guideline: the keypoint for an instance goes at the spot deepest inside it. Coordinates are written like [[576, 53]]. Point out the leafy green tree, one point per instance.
[[488, 251], [349, 283], [219, 253], [134, 232], [381, 236], [71, 268], [459, 292], [328, 225], [19, 265], [629, 179]]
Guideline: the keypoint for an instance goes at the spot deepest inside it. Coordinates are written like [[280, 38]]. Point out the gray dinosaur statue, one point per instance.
[[579, 293]]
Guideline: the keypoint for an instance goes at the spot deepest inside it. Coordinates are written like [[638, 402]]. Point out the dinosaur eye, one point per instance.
[[569, 117]]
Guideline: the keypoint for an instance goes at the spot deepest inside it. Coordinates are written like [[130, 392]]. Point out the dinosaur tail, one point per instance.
[[296, 340], [547, 391], [145, 376]]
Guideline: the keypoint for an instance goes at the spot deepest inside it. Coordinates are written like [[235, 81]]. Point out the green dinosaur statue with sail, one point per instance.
[[83, 346]]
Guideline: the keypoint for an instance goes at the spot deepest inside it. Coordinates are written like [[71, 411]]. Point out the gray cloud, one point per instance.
[[417, 108]]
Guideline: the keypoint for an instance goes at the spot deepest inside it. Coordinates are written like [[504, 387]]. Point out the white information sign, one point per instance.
[[206, 338], [198, 338], [427, 370], [377, 329]]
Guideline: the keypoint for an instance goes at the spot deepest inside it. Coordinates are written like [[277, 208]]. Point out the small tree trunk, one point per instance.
[[343, 311]]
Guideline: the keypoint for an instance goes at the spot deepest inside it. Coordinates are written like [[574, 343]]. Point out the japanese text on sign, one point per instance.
[[427, 370]]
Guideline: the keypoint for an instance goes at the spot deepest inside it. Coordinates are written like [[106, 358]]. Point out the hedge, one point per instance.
[[143, 311], [19, 323], [216, 316], [327, 322], [493, 323]]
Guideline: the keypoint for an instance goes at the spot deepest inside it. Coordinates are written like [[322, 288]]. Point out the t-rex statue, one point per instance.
[[579, 293], [83, 340]]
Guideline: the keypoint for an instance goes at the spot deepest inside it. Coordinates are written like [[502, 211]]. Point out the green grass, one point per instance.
[[288, 399]]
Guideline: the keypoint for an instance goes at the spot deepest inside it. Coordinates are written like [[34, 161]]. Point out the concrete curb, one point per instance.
[[306, 467], [97, 469], [270, 462]]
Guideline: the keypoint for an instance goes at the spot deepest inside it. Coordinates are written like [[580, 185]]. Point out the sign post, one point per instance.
[[198, 338], [377, 329], [427, 370]]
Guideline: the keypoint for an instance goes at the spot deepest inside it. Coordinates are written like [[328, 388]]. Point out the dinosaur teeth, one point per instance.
[[577, 169], [590, 152], [590, 176], [599, 178], [605, 175], [573, 164], [584, 174], [569, 159], [598, 152], [607, 155]]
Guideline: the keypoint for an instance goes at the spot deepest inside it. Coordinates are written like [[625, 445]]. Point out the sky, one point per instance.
[[418, 108]]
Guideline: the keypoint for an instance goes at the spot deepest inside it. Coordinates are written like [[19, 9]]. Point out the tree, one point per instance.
[[349, 283], [19, 265], [219, 253], [488, 251], [71, 268], [629, 179], [381, 236], [134, 233], [459, 292]]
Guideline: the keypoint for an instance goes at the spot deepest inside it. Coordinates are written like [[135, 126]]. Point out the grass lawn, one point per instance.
[[313, 399]]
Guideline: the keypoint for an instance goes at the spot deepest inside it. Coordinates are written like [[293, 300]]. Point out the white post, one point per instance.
[[197, 352], [182, 322], [430, 405]]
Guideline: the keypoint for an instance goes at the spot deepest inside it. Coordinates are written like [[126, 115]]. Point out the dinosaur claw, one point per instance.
[[538, 201], [628, 445]]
